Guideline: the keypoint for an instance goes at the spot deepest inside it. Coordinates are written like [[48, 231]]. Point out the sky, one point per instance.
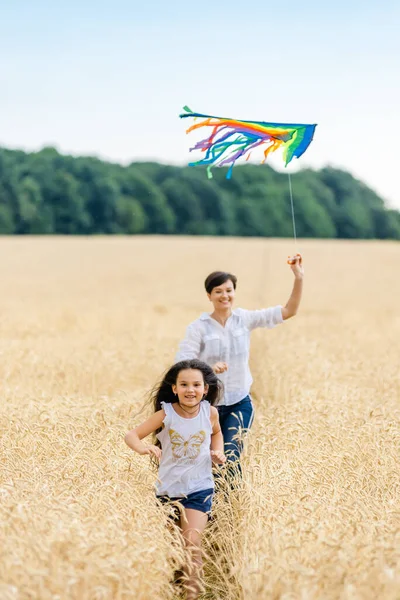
[[104, 78]]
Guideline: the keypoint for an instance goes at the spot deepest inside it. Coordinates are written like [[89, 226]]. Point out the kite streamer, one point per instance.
[[231, 139]]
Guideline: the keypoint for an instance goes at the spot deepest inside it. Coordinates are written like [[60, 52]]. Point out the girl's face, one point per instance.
[[190, 387], [223, 295]]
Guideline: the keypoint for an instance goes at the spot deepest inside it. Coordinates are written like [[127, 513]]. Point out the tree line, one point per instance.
[[49, 193]]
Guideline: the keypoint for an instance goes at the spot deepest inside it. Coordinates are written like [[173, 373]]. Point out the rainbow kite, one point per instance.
[[231, 139]]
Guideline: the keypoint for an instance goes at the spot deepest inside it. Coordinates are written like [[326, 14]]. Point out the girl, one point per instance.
[[189, 439], [222, 339]]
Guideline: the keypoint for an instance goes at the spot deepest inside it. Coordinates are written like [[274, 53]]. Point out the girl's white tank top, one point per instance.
[[185, 465]]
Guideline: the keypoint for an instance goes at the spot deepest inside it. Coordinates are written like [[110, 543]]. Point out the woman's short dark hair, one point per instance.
[[218, 278]]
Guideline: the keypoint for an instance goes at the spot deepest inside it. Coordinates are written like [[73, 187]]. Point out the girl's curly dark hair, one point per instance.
[[163, 391]]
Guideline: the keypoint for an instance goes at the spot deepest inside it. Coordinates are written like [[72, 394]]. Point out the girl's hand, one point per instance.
[[152, 451], [218, 457], [296, 264], [220, 367]]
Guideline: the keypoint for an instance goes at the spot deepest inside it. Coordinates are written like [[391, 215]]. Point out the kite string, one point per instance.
[[291, 204]]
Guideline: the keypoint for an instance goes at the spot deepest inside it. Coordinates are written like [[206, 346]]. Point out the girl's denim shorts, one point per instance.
[[201, 500]]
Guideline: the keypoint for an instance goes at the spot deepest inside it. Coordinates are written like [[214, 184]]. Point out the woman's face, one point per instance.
[[223, 295]]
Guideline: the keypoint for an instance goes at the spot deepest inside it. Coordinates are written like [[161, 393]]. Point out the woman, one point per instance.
[[222, 340]]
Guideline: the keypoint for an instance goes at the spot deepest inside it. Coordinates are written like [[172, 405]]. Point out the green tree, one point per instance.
[[267, 205], [68, 205], [353, 215], [131, 217], [160, 216], [45, 192], [216, 204], [185, 204], [33, 215], [7, 224], [386, 224]]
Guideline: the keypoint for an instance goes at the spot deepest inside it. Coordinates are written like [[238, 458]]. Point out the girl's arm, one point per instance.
[[217, 441], [134, 437], [292, 305]]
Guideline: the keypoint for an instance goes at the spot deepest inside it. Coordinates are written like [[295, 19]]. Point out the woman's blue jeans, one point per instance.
[[235, 420]]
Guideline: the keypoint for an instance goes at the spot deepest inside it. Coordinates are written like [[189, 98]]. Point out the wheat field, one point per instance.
[[89, 325]]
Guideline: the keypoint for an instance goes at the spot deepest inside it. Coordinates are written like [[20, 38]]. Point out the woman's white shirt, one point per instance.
[[209, 341]]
